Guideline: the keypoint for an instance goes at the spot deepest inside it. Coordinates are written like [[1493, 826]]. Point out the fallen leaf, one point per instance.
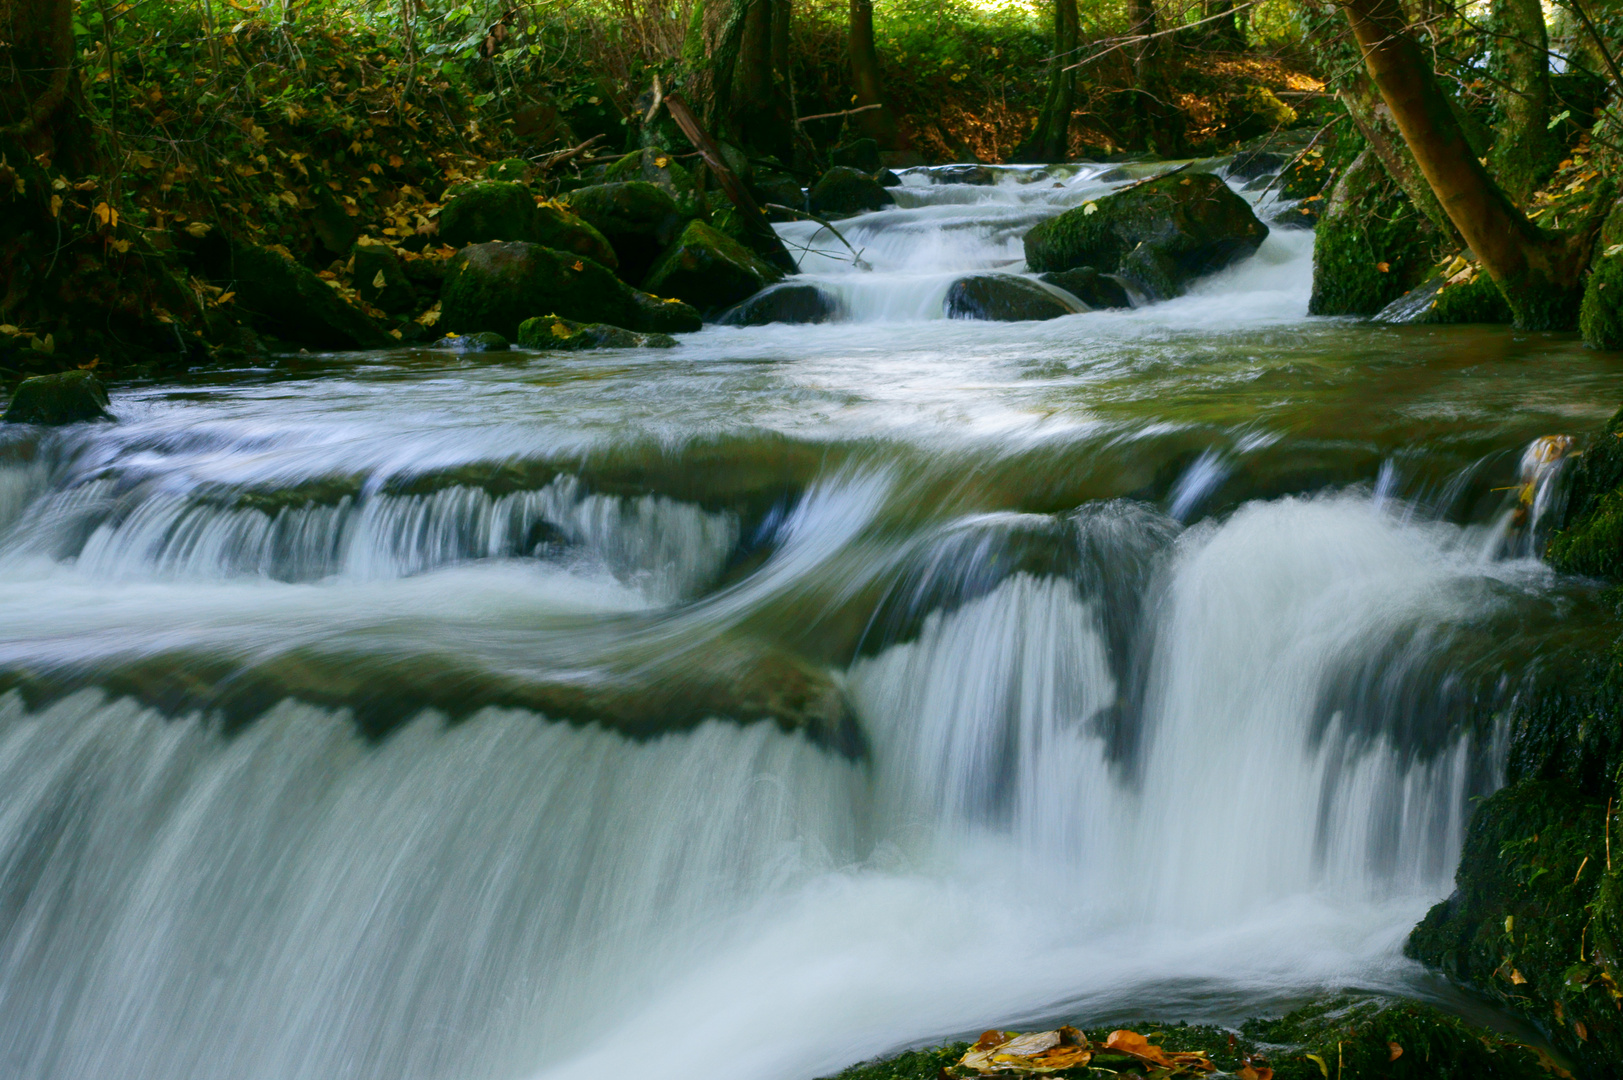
[[1393, 1051], [1517, 977], [1319, 1061], [1384, 267], [1089, 208], [1249, 1071], [578, 266], [1583, 1032], [198, 229], [377, 280], [56, 205]]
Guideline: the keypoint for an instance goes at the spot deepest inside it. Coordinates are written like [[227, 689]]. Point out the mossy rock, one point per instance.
[[788, 303], [1251, 164], [842, 191], [1094, 289], [381, 281], [1589, 539], [497, 286], [1160, 236], [709, 270], [1307, 176], [69, 397], [481, 342], [1257, 111], [552, 332], [557, 228], [1600, 319], [1441, 300], [1006, 298], [283, 299], [488, 210], [638, 218], [1372, 245], [859, 154], [658, 166], [1534, 921], [664, 314], [771, 187], [514, 170]]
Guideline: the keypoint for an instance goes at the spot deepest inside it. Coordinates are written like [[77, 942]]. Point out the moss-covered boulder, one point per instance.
[[497, 286], [381, 281], [1006, 298], [283, 299], [1601, 316], [788, 303], [664, 314], [1257, 111], [842, 191], [1372, 244], [481, 342], [553, 332], [657, 166], [859, 154], [709, 270], [639, 219], [1250, 164], [1094, 289], [515, 170], [69, 397], [772, 187], [557, 228], [1589, 539], [1450, 297], [488, 210], [1160, 236]]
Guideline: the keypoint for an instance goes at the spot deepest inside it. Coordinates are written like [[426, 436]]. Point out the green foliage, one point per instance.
[[1372, 245]]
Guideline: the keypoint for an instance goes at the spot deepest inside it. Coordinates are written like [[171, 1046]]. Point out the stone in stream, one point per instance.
[[1371, 246], [664, 314], [788, 303], [552, 332], [709, 270], [1006, 298], [1159, 236], [979, 175], [1094, 289], [486, 212], [497, 286], [483, 342], [1251, 164], [842, 191], [638, 218], [283, 299], [69, 397], [657, 166]]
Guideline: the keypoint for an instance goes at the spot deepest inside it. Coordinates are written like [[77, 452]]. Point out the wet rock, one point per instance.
[[1305, 177], [963, 174], [770, 186], [664, 314], [887, 178], [331, 223], [1160, 235], [1304, 215], [284, 300], [70, 397], [638, 218], [489, 210], [1091, 287], [481, 342], [1372, 244], [846, 191], [1258, 111], [1006, 298], [1251, 164], [859, 154], [709, 270], [794, 303], [381, 281], [557, 228], [1465, 296], [1601, 316], [552, 332], [497, 286], [515, 170], [657, 166]]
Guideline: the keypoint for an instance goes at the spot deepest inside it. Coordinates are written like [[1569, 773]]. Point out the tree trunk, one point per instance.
[[1539, 272], [36, 68], [1224, 30], [878, 124], [748, 95], [1051, 140], [1374, 121], [1160, 123], [1525, 152]]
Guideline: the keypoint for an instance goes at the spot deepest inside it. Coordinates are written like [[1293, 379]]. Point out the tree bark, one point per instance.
[[748, 95], [1374, 122], [878, 124], [1051, 139], [1539, 272], [1160, 123], [36, 66], [1525, 151]]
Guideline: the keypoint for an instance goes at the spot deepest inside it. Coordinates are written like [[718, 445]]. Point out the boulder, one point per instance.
[[1304, 215], [658, 167], [1091, 287], [1465, 296], [335, 228], [66, 398], [557, 228], [1601, 316], [487, 210], [381, 281], [790, 303], [664, 314], [1257, 111], [516, 170], [283, 299], [780, 188], [1250, 164], [638, 218], [482, 342], [1372, 244], [709, 270], [497, 286], [552, 332], [859, 154], [1159, 236], [846, 191], [979, 175], [1006, 298]]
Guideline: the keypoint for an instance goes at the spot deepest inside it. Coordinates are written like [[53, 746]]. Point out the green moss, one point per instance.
[[1372, 245], [909, 1065], [552, 332], [1600, 318], [1440, 301], [638, 218], [1590, 537], [555, 227], [488, 210], [709, 270], [495, 287]]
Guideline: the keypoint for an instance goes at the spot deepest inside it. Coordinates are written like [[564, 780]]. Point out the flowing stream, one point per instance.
[[751, 709]]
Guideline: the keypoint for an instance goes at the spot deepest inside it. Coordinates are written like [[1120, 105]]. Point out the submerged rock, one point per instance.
[[1006, 298], [664, 314], [978, 175], [846, 191], [792, 303], [1160, 235], [552, 332], [709, 270], [638, 219], [497, 286], [70, 397], [1250, 164], [1091, 287], [484, 342], [283, 299]]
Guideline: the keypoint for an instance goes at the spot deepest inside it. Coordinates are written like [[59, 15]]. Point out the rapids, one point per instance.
[[419, 716]]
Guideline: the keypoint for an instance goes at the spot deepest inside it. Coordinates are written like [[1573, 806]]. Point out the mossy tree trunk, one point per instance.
[[1051, 139], [1525, 151], [879, 123], [1539, 272], [748, 93], [1374, 122]]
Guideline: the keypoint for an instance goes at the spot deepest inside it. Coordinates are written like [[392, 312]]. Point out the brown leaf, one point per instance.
[[1583, 1032], [1393, 1051], [1249, 1071]]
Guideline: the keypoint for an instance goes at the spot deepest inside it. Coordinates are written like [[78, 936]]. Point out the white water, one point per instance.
[[1107, 774]]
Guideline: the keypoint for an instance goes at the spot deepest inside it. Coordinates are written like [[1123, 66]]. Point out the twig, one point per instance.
[[1133, 39], [559, 157], [843, 112], [1600, 42], [856, 256]]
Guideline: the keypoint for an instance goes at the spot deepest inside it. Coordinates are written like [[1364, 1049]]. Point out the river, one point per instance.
[[743, 711]]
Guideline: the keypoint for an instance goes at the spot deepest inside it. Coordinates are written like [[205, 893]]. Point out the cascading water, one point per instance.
[[750, 710]]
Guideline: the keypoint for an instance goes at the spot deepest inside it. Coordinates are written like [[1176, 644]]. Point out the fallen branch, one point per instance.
[[856, 256], [844, 112], [552, 161]]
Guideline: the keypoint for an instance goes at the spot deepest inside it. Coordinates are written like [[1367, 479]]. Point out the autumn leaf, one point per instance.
[[377, 280], [198, 229], [1249, 1071], [1384, 267], [1319, 1061], [1583, 1032], [578, 266], [1517, 977], [1393, 1051], [56, 205]]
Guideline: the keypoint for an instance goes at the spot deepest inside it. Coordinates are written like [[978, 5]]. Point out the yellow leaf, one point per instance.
[[1517, 977], [1393, 1051], [1089, 209], [1384, 267], [225, 298], [578, 266], [198, 229], [1613, 250], [9, 330], [56, 205], [395, 161], [1319, 1061], [1510, 924], [375, 168], [560, 330], [377, 280], [1583, 1032], [661, 162]]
